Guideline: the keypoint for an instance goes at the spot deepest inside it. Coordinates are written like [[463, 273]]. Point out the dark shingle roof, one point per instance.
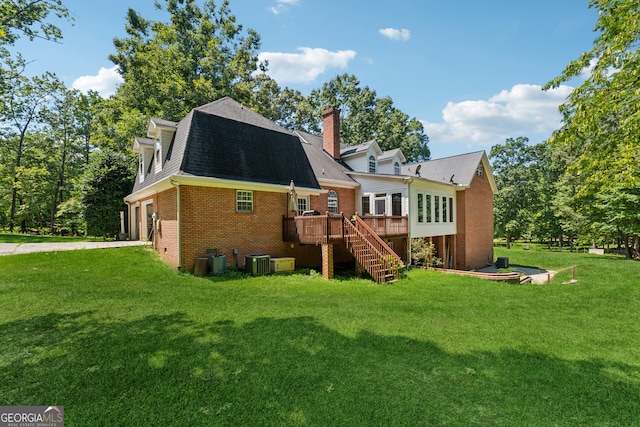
[[218, 147], [461, 167], [232, 109], [226, 140], [324, 165], [348, 150]]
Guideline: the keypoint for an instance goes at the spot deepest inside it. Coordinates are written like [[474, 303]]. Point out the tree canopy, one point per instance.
[[25, 18], [199, 55], [364, 115], [601, 119], [60, 148]]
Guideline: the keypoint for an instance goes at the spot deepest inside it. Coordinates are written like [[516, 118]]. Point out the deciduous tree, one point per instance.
[[24, 102], [199, 55], [513, 164], [602, 116]]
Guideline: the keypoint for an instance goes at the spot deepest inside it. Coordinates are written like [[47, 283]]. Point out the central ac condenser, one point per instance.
[[257, 264]]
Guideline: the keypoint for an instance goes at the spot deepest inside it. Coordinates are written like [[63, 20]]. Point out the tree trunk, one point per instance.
[[57, 194], [571, 242], [508, 241], [14, 191]]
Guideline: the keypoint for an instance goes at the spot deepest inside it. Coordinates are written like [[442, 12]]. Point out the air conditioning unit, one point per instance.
[[257, 264]]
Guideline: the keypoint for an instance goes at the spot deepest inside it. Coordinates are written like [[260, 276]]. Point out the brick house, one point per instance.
[[227, 178]]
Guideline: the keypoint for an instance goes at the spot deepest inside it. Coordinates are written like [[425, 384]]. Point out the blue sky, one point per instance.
[[470, 70]]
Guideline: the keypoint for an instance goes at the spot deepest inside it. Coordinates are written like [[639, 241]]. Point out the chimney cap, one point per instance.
[[330, 110]]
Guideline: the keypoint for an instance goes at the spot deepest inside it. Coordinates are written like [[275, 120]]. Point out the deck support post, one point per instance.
[[327, 260], [359, 269]]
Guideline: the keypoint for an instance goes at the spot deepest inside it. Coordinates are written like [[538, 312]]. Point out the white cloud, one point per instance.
[[524, 110], [395, 34], [105, 82], [283, 5], [306, 66]]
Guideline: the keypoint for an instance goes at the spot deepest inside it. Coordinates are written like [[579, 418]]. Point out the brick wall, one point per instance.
[[165, 204], [210, 221], [475, 225], [346, 201], [461, 231]]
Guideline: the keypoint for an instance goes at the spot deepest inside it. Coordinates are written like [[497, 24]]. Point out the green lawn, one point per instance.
[[118, 338]]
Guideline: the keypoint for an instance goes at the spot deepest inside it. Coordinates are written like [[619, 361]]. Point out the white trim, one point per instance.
[[405, 178], [337, 184], [165, 184], [144, 225]]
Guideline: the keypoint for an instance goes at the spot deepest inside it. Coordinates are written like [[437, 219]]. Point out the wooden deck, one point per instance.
[[329, 228], [361, 236]]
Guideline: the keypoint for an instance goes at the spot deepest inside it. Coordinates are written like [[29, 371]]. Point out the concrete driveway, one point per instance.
[[26, 248]]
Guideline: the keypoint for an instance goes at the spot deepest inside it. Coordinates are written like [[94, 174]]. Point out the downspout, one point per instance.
[[409, 181], [128, 220], [179, 219]]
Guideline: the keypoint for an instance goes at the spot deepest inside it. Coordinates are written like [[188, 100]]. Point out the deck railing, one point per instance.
[[313, 230], [317, 229], [374, 238], [387, 226]]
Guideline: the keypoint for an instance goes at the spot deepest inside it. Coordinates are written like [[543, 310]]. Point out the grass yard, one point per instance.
[[6, 237], [118, 338]]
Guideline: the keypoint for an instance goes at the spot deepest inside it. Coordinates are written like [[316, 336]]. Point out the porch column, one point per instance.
[[327, 260], [454, 249]]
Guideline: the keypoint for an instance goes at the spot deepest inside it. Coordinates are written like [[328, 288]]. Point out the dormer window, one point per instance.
[[141, 166], [158, 156], [396, 168], [372, 164]]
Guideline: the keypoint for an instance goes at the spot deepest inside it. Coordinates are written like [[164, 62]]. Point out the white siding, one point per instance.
[[372, 186], [386, 167], [360, 162], [433, 228], [165, 139]]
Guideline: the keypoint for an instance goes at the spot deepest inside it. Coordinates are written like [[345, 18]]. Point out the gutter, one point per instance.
[[176, 184]]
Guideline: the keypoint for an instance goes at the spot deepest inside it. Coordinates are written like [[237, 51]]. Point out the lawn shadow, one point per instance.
[[173, 370]]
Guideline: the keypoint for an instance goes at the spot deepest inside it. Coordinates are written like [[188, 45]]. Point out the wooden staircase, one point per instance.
[[365, 244], [370, 251]]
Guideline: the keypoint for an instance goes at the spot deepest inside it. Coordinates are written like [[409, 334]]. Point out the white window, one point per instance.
[[380, 203], [372, 164], [480, 171], [158, 156], [396, 168], [244, 201], [333, 202], [444, 209], [141, 167], [303, 204], [366, 205]]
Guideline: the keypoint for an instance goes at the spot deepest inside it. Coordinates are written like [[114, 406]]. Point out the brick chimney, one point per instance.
[[331, 132]]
